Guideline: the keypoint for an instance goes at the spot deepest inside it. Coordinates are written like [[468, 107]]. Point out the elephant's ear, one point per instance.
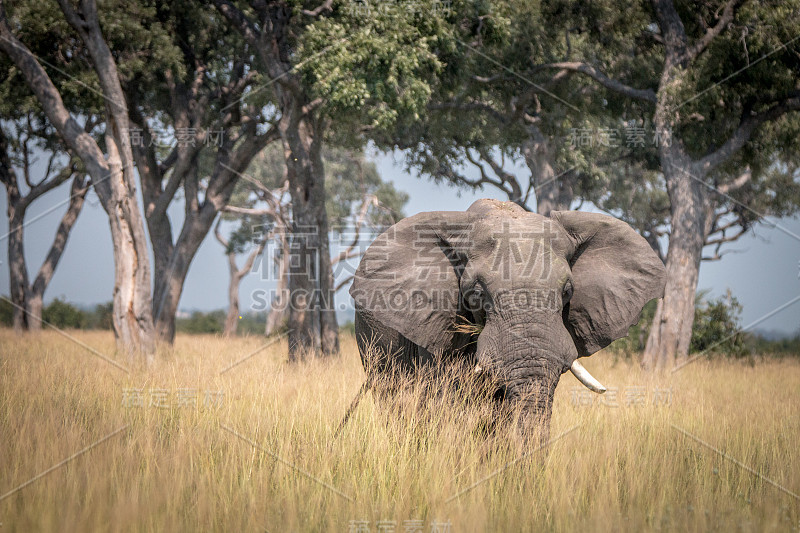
[[615, 273], [409, 277]]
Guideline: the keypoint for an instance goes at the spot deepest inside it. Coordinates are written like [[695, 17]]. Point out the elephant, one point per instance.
[[541, 293]]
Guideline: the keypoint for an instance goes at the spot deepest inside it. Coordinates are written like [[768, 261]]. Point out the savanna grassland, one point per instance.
[[251, 449]]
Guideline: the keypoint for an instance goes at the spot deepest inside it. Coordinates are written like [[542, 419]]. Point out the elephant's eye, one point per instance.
[[476, 297], [566, 294]]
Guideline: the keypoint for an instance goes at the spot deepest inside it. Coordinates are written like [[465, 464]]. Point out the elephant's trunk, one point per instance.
[[526, 367]]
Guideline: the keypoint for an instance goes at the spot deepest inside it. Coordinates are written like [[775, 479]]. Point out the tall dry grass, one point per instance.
[[178, 468]]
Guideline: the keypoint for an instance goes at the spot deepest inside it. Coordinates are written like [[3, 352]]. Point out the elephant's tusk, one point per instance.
[[586, 378]]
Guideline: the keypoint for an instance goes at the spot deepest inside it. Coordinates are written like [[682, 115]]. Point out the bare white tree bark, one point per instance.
[[111, 173], [236, 276]]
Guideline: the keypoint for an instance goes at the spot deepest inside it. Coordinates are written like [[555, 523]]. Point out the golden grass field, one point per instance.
[[175, 467]]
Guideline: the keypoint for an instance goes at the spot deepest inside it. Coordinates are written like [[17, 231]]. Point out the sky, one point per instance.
[[762, 269]]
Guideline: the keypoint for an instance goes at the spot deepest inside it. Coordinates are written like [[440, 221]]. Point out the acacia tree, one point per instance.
[[314, 60], [236, 274], [110, 170], [196, 95], [357, 201], [28, 132], [646, 69], [490, 112], [263, 215], [708, 102]]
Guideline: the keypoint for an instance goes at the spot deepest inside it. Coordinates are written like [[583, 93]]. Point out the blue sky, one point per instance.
[[762, 270]]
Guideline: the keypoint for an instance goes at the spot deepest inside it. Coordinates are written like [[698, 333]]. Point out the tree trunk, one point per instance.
[[552, 193], [133, 318], [160, 230], [171, 263], [169, 276], [278, 314], [235, 279], [312, 318], [132, 315], [112, 174], [671, 331], [329, 327], [232, 319], [35, 297], [15, 208], [35, 307], [18, 271]]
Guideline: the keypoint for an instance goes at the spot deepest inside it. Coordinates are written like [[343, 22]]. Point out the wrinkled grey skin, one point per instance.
[[544, 290]]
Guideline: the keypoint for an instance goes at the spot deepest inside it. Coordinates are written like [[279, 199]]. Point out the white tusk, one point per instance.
[[478, 369], [586, 378]]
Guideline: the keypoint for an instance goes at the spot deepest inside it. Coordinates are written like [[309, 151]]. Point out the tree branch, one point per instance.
[[745, 130], [647, 95], [326, 6], [516, 191], [728, 12], [46, 186], [737, 183], [469, 106], [673, 31], [343, 283], [77, 194], [46, 93], [247, 211], [278, 72], [368, 200]]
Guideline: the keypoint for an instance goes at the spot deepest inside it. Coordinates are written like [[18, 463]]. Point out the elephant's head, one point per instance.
[[543, 292]]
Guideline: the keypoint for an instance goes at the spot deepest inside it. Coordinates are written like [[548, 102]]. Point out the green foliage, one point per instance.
[[717, 326], [64, 315], [350, 177], [491, 97], [372, 69], [348, 327], [252, 323], [102, 317], [200, 322], [788, 346], [6, 312], [634, 343]]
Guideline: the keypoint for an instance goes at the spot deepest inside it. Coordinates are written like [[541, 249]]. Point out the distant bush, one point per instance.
[[101, 317], [789, 346], [717, 327], [6, 312], [637, 334], [64, 315], [252, 323], [348, 327], [200, 322]]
